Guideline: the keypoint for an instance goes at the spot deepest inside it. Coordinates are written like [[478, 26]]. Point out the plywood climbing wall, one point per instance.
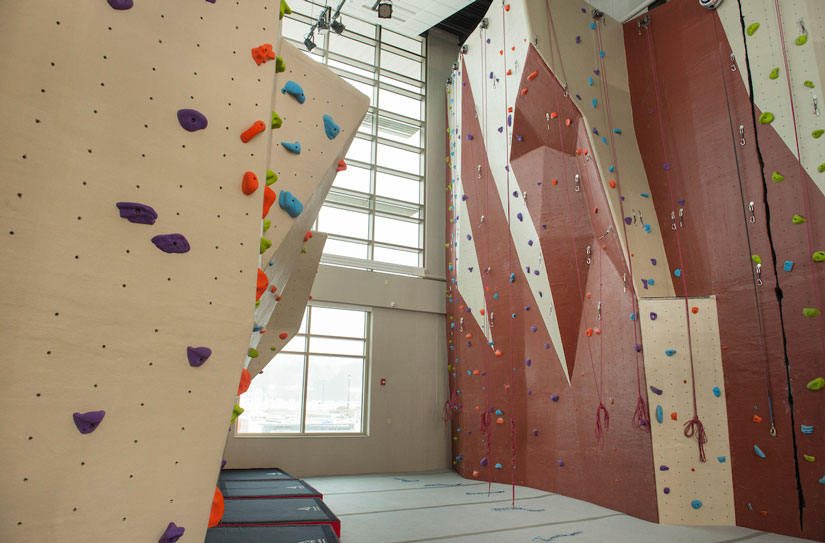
[[93, 316], [688, 491]]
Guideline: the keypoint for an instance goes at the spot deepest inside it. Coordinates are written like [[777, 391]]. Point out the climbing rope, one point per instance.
[[693, 427]]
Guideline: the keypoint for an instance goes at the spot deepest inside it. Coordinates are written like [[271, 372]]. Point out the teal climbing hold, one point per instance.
[[774, 73], [717, 392], [294, 148], [294, 89], [677, 272], [590, 81], [788, 266], [758, 451], [595, 102], [613, 168], [722, 459], [696, 504], [660, 415], [766, 118], [512, 277], [670, 352], [330, 127], [818, 133], [617, 131], [801, 40], [822, 481], [645, 195]]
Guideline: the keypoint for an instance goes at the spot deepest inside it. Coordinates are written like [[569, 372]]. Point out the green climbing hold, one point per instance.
[[257, 304], [276, 120], [817, 133], [285, 10], [809, 84], [802, 40], [821, 168], [756, 258], [798, 219], [271, 177], [777, 177], [280, 65], [237, 410], [811, 312], [818, 256], [774, 73], [816, 384], [265, 244], [252, 353], [809, 458], [766, 118], [752, 28], [267, 224]]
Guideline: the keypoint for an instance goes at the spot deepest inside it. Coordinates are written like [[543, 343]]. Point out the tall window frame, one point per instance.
[[381, 198]]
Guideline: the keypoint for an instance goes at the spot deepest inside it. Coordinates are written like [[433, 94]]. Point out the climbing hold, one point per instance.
[[198, 355], [696, 504], [265, 244], [590, 81], [524, 93], [816, 384], [250, 183], [664, 468], [330, 127], [777, 177], [653, 316], [246, 380], [806, 429], [341, 166], [137, 213], [216, 513], [822, 481], [192, 120], [294, 89], [269, 199], [263, 282], [498, 353], [808, 457], [237, 410], [595, 102], [294, 148], [766, 118], [554, 397], [173, 532], [670, 352], [752, 28], [512, 277], [171, 243], [277, 122], [121, 4], [592, 26], [535, 432], [666, 490], [774, 73], [757, 419], [519, 216], [694, 310], [717, 391], [660, 415], [532, 76], [280, 65], [256, 128], [483, 462], [756, 259], [811, 312], [821, 168], [263, 53], [290, 203], [271, 177], [654, 390], [644, 195], [498, 466], [674, 416], [758, 451], [818, 256], [677, 272], [252, 353], [818, 133], [89, 421], [801, 40], [612, 184], [798, 219]]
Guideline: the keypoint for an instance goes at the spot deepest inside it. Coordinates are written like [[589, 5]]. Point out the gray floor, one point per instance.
[[439, 507]]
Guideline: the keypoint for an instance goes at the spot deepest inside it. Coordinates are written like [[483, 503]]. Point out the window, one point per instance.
[[374, 213], [317, 383]]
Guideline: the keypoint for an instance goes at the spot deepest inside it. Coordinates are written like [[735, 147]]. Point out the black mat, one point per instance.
[[277, 511], [314, 533], [271, 474], [292, 488]]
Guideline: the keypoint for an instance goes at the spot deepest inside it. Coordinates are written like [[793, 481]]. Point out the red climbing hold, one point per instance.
[[307, 236], [694, 310], [277, 298], [273, 289], [246, 380], [568, 122], [253, 131], [250, 183], [263, 282], [589, 332], [216, 514], [499, 354], [507, 7], [283, 335], [673, 416], [481, 311], [509, 72], [757, 418], [468, 336], [269, 199], [612, 184], [554, 115], [524, 91], [596, 211], [555, 181], [263, 53], [341, 166], [499, 420], [532, 76]]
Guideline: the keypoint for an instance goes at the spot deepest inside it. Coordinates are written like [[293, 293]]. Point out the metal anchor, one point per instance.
[[742, 134], [599, 308], [752, 218], [578, 183], [491, 319], [634, 216], [816, 106], [802, 25], [681, 217], [482, 221], [547, 116], [732, 62], [479, 171], [672, 220], [625, 282], [609, 229], [461, 324], [566, 92], [759, 274], [589, 250]]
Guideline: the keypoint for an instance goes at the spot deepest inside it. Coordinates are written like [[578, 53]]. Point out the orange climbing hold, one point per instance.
[[509, 72], [587, 295], [499, 420], [341, 166], [250, 183], [499, 354], [506, 387], [269, 199], [586, 152], [468, 335], [263, 282], [216, 514], [307, 236], [507, 7], [253, 131], [476, 474], [589, 332], [694, 310], [673, 416], [524, 91], [476, 372], [263, 53], [481, 311], [277, 298], [246, 380], [596, 211], [612, 183], [532, 76], [578, 152], [555, 181], [554, 115], [757, 418], [568, 122]]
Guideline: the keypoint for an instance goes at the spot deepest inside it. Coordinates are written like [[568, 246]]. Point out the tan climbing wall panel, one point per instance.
[[805, 63], [309, 175], [289, 312], [687, 478], [92, 315]]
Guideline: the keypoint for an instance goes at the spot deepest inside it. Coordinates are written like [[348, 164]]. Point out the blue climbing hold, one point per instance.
[[290, 203], [677, 272], [645, 195], [717, 392], [617, 131], [660, 414], [294, 148], [604, 140], [722, 459], [512, 277], [595, 102], [611, 169], [788, 265], [651, 282], [498, 412], [590, 81], [647, 228], [670, 352], [330, 127], [498, 466], [806, 429], [592, 26], [633, 316], [696, 504], [294, 89], [758, 451]]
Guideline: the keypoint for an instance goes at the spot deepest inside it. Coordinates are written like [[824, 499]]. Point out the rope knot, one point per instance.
[[599, 432], [694, 427]]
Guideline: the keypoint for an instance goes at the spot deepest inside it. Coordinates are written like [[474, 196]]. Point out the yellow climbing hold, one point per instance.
[[798, 219], [777, 177], [821, 168], [811, 312], [271, 177], [816, 384], [756, 258], [267, 224], [818, 133], [752, 28], [265, 244], [252, 353], [774, 73], [809, 458], [809, 84], [818, 256], [284, 9], [766, 118], [802, 40]]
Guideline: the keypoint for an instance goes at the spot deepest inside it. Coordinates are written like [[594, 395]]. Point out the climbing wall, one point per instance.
[[690, 491]]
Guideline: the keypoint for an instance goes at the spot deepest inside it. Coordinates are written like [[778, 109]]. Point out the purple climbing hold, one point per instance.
[[528, 362], [211, 1], [578, 39], [628, 220], [500, 129], [515, 194], [172, 534], [469, 137], [653, 316], [198, 355], [666, 490], [533, 329], [518, 137], [121, 4], [554, 397], [509, 119], [560, 463], [223, 462], [491, 75], [88, 422], [637, 347], [681, 202], [519, 216], [666, 166], [530, 242], [663, 468], [137, 213], [596, 71], [463, 197], [483, 462], [595, 130], [535, 432], [644, 283], [488, 40], [653, 261], [192, 119], [171, 243], [654, 390]]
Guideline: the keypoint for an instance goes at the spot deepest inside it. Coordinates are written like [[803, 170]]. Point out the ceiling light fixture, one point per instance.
[[384, 9]]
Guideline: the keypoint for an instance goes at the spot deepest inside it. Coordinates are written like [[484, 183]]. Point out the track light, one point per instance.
[[384, 8], [337, 26], [325, 18], [309, 41]]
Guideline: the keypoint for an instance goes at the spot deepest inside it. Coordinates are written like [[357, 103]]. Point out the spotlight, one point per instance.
[[324, 18], [309, 41], [384, 8], [337, 26]]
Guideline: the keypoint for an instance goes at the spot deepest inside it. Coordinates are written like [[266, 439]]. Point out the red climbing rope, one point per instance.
[[693, 427], [641, 418], [598, 432]]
